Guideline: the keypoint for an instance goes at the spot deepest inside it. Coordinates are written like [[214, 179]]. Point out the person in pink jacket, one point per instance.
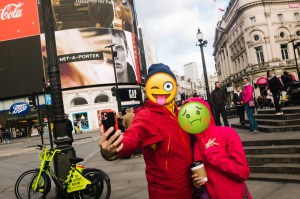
[[221, 151], [248, 101]]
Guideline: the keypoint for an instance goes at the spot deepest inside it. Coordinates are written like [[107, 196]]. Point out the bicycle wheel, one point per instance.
[[23, 186], [100, 187]]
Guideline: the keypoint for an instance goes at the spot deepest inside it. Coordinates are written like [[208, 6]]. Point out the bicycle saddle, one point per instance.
[[75, 160]]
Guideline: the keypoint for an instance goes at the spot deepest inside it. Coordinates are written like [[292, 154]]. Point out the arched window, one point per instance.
[[78, 101], [101, 98]]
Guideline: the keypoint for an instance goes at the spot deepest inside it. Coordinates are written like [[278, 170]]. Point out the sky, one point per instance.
[[172, 26]]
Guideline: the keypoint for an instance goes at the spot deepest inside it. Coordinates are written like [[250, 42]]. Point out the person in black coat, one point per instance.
[[275, 87], [286, 79], [237, 100], [218, 102]]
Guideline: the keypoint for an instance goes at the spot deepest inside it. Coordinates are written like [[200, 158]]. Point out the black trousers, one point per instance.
[[220, 110], [276, 97], [241, 113]]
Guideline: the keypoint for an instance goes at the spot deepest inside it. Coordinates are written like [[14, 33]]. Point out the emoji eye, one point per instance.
[[198, 112], [188, 116], [168, 86]]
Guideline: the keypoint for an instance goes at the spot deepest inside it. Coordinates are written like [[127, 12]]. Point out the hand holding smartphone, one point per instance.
[[109, 119]]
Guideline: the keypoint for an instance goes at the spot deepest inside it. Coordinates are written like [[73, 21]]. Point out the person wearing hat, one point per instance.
[[166, 148]]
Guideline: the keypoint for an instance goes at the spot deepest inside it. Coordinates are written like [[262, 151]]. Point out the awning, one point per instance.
[[262, 81]]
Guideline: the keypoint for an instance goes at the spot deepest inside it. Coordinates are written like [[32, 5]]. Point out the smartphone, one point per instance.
[[109, 119]]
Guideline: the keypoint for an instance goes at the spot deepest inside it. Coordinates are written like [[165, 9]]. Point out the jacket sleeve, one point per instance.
[[235, 96], [248, 95], [235, 165], [212, 96]]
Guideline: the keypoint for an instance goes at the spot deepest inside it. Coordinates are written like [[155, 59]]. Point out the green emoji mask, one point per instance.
[[194, 117]]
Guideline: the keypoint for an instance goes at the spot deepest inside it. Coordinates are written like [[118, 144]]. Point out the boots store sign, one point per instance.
[[20, 108], [18, 19]]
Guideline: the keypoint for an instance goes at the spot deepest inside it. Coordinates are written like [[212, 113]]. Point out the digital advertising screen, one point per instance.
[[84, 32]]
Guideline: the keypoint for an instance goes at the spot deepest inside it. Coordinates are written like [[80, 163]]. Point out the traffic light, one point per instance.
[[32, 100], [113, 91]]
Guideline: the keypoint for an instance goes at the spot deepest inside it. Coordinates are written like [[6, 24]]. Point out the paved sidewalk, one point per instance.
[[127, 176]]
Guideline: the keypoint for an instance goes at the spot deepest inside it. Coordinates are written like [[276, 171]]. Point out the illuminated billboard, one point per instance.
[[84, 30]]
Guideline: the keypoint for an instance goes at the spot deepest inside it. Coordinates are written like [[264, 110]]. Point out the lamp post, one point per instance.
[[294, 49], [115, 54], [201, 44]]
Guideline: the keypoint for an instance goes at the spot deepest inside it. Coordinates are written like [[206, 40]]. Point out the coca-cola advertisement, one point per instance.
[[18, 19]]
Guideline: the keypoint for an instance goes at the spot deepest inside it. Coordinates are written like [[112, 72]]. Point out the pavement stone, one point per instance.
[[127, 175]]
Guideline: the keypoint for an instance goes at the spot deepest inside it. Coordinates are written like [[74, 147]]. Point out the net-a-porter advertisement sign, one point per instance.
[[84, 29]]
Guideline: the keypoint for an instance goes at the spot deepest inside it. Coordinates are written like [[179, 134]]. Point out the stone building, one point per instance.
[[255, 36]]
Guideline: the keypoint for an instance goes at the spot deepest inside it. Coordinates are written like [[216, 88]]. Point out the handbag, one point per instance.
[[251, 103]]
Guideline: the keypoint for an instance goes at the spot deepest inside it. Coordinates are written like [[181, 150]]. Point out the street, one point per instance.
[[127, 175]]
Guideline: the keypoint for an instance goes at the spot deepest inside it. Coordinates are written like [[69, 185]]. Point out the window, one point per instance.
[[296, 14], [101, 98], [78, 101], [280, 17], [259, 54], [253, 21], [284, 51], [282, 34], [256, 37]]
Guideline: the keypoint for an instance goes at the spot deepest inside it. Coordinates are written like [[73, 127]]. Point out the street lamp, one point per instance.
[[201, 44], [294, 49], [115, 54]]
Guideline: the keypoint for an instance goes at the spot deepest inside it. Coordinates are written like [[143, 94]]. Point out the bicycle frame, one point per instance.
[[75, 181]]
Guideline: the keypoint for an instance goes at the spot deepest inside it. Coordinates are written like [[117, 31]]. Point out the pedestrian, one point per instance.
[[275, 87], [249, 104], [69, 128], [218, 102], [222, 153], [1, 136], [237, 100], [286, 79], [128, 118], [166, 148]]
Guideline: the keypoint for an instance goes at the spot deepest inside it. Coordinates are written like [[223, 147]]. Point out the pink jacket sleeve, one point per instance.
[[235, 166], [247, 94]]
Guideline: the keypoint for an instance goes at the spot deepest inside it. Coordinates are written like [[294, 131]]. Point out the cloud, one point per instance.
[[172, 25]]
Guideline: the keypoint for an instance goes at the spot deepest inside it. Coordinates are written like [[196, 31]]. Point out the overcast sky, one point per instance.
[[172, 26]]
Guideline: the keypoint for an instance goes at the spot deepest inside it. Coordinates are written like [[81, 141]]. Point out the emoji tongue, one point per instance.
[[161, 99]]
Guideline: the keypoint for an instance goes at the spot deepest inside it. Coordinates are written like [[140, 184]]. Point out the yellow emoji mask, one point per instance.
[[161, 86]]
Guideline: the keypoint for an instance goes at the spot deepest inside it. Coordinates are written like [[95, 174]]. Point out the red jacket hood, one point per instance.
[[205, 103]]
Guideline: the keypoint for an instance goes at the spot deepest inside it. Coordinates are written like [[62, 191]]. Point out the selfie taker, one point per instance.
[[166, 148], [225, 169]]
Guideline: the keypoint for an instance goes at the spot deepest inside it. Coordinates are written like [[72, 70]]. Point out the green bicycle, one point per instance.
[[79, 183]]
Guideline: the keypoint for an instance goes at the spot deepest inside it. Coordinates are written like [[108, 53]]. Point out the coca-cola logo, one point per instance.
[[11, 11], [20, 108]]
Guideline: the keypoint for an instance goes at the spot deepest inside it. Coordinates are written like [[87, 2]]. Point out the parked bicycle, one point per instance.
[[79, 183]]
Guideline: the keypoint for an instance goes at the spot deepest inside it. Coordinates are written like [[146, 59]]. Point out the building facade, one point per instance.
[[255, 36]]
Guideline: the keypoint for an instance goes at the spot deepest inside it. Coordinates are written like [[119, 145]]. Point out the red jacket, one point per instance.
[[168, 166], [226, 164]]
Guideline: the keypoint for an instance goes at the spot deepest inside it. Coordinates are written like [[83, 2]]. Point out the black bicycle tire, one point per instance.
[[35, 173], [103, 179]]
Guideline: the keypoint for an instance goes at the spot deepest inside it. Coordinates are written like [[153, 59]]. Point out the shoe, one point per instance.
[[252, 132], [256, 131], [279, 113]]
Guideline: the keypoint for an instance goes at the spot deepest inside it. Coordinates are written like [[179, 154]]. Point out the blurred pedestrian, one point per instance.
[[69, 128], [249, 104], [127, 118], [218, 102], [286, 79], [237, 100], [275, 87]]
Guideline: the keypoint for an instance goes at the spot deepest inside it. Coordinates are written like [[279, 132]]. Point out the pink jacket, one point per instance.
[[226, 164], [247, 93]]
